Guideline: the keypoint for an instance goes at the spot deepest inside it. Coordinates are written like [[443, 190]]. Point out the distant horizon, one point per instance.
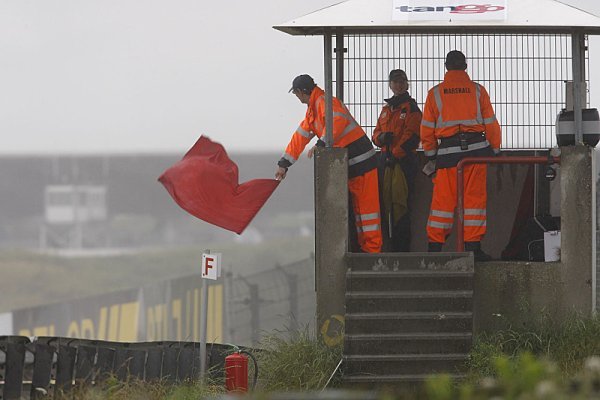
[[125, 153]]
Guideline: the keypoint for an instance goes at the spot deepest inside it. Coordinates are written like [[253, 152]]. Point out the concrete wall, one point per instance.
[[507, 294], [578, 230], [520, 294], [517, 295], [331, 237]]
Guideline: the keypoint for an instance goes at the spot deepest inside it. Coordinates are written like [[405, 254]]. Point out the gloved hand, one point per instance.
[[386, 138], [497, 152]]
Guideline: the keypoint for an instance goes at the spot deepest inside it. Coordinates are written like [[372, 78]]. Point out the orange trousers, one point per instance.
[[364, 191], [443, 203]]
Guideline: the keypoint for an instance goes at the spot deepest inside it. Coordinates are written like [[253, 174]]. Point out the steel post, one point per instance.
[[328, 89], [578, 47], [339, 65], [203, 323]]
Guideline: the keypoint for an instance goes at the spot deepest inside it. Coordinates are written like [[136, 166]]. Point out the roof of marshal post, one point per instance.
[[439, 16]]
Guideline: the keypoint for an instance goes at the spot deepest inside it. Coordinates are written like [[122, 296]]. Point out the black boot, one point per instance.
[[434, 247], [479, 255]]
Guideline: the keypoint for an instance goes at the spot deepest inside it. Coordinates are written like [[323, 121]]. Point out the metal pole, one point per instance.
[[292, 281], [203, 323], [328, 90], [255, 312], [578, 45], [228, 295], [293, 287], [254, 301], [339, 65]]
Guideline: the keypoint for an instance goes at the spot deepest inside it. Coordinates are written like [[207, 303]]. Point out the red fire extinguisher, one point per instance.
[[236, 371]]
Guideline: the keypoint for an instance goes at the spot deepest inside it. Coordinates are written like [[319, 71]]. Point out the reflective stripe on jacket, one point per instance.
[[345, 128], [404, 121], [457, 105], [346, 133]]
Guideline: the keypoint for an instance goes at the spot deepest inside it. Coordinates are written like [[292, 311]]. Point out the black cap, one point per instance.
[[303, 82], [397, 74], [456, 60]]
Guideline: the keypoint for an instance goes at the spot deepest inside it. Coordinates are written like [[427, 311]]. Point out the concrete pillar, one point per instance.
[[578, 228], [331, 239]]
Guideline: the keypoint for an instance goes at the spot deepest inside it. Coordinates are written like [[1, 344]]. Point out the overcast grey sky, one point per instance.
[[104, 76]]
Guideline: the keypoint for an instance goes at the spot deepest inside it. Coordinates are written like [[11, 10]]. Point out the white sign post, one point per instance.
[[211, 269]]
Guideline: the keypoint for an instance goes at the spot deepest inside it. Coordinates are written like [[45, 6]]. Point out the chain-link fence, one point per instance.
[[280, 299]]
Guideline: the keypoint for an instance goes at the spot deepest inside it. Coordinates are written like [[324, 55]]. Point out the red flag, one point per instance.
[[205, 184]]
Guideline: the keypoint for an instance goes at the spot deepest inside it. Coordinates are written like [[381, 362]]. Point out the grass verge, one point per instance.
[[297, 361], [567, 344]]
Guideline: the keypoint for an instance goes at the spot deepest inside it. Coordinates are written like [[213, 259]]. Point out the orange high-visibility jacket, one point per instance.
[[458, 105], [401, 116], [345, 128]]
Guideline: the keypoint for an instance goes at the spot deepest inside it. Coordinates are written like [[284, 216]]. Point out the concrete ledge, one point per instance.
[[517, 295], [385, 262]]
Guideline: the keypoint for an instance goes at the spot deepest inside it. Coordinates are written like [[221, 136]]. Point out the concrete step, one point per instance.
[[401, 386], [408, 280], [409, 301], [407, 343], [447, 261], [408, 322], [405, 364]]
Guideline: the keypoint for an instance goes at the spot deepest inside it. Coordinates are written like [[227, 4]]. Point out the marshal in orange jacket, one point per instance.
[[458, 105], [345, 128], [401, 116], [362, 163]]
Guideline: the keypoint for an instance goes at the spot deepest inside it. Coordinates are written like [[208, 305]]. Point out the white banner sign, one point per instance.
[[211, 266], [450, 10]]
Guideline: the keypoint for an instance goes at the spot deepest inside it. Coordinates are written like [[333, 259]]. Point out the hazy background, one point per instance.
[[110, 93], [85, 76], [130, 76]]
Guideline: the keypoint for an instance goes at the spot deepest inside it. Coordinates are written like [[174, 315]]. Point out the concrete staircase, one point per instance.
[[407, 316]]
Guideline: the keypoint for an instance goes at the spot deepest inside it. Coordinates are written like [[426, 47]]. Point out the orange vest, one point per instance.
[[458, 105], [345, 128]]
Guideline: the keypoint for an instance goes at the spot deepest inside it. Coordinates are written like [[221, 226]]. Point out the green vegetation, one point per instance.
[[30, 279], [522, 377], [137, 390], [556, 361], [567, 344], [297, 362]]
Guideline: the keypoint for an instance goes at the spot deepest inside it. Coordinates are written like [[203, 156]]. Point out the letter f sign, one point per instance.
[[211, 266], [208, 264]]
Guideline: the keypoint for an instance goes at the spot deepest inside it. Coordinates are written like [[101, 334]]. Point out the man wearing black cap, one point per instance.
[[459, 115], [397, 133], [362, 163]]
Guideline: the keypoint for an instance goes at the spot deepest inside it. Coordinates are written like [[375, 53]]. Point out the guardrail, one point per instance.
[[50, 366]]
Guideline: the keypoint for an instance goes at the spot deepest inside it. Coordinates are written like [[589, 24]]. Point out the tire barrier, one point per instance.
[[49, 366]]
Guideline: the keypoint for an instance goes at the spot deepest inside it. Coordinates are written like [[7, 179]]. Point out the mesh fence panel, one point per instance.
[[280, 299], [524, 74]]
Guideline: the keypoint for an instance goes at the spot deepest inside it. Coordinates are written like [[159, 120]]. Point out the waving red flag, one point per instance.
[[205, 184]]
